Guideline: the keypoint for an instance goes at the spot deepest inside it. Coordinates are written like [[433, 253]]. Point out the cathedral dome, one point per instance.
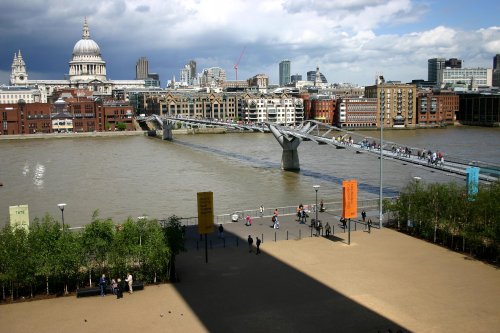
[[86, 64], [86, 46]]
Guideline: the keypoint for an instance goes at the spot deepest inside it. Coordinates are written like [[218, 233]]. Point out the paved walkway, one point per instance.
[[289, 229], [383, 280]]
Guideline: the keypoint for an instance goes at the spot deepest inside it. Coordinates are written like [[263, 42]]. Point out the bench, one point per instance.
[[96, 291]]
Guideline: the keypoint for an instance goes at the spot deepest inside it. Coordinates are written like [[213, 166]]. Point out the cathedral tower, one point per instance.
[[18, 75]]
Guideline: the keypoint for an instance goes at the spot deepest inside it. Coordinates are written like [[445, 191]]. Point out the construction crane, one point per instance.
[[237, 63]]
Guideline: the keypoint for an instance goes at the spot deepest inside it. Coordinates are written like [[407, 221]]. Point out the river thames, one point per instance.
[[138, 175]]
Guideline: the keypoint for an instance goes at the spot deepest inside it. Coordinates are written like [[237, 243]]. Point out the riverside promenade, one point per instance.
[[383, 281]]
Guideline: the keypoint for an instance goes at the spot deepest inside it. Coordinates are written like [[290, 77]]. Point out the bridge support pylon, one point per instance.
[[167, 131], [290, 156]]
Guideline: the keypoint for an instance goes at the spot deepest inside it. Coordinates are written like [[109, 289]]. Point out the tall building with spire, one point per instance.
[[18, 75]]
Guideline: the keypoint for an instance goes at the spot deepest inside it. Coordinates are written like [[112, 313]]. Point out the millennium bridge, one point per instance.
[[290, 137]]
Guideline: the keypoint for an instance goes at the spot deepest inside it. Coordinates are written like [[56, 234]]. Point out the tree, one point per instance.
[[155, 252], [43, 237], [121, 126], [174, 237], [97, 239], [16, 270], [69, 257], [125, 250]]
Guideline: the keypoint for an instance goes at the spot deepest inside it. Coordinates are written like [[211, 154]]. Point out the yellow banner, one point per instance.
[[349, 199], [205, 212], [19, 216]]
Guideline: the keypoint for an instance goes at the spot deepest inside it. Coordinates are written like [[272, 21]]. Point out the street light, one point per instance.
[[61, 207], [381, 194], [316, 188]]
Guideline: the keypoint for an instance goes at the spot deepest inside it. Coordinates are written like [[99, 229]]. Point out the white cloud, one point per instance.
[[342, 37]]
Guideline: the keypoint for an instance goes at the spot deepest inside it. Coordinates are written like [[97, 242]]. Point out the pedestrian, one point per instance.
[[102, 285], [321, 206], [276, 222], [250, 243], [258, 245], [363, 215], [248, 221], [261, 210], [119, 289], [319, 226], [343, 221], [221, 231], [114, 286], [369, 225], [327, 229], [129, 280]]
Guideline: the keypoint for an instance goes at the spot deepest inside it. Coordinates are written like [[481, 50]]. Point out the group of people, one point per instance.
[[117, 286], [250, 244], [433, 158], [302, 214], [401, 151]]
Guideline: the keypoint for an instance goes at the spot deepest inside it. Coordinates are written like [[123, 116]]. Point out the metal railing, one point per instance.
[[335, 206]]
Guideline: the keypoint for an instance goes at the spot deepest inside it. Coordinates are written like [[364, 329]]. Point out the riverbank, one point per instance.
[[70, 135]]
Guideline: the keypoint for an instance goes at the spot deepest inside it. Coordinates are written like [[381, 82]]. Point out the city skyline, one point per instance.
[[350, 42]]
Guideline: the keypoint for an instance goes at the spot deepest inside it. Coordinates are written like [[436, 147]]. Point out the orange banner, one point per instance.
[[349, 199]]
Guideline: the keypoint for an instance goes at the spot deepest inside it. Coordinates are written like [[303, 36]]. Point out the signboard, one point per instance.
[[472, 181], [205, 212], [349, 199], [19, 216]]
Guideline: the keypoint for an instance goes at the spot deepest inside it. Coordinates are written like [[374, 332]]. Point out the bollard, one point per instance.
[[262, 238], [355, 223], [311, 231], [300, 233], [333, 229], [275, 236], [287, 235]]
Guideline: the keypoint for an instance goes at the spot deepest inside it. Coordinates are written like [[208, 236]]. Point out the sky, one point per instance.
[[350, 40]]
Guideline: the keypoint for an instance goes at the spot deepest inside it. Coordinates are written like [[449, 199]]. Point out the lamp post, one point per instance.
[[316, 188], [61, 207], [381, 194]]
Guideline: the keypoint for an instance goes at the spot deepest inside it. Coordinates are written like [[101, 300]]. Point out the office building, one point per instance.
[[142, 69], [496, 71], [311, 76], [284, 72], [296, 78], [436, 64], [472, 78]]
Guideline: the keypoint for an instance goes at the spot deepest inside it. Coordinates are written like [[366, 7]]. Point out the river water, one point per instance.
[[135, 176]]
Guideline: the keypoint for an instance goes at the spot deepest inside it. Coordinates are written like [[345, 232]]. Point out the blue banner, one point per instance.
[[472, 182]]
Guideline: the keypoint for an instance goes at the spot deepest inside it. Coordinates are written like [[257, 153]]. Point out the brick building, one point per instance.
[[437, 108], [24, 118], [353, 112]]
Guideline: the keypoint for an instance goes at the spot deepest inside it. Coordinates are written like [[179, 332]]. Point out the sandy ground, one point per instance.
[[383, 280]]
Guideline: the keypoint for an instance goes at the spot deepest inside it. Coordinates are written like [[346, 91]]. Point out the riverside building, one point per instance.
[[395, 101]]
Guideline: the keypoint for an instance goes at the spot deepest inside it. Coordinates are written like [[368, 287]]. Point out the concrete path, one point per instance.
[[383, 280]]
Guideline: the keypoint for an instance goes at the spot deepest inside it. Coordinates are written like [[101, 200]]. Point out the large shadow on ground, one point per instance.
[[238, 291]]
